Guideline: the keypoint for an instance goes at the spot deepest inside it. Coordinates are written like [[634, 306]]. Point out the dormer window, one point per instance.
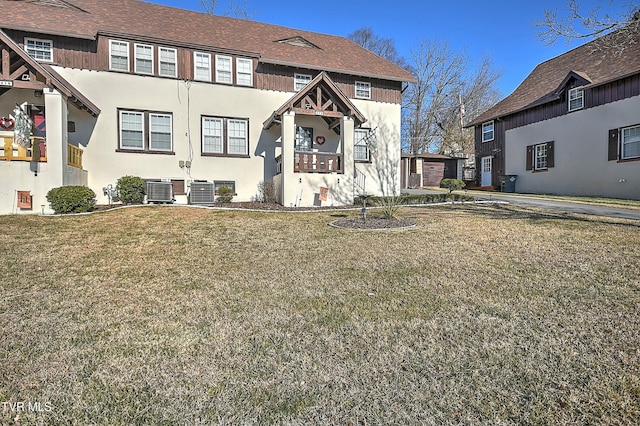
[[40, 50], [576, 99], [363, 90]]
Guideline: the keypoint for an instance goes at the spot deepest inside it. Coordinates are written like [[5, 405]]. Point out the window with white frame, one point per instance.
[[576, 99], [143, 58], [118, 55], [540, 157], [223, 69], [244, 72], [630, 143], [40, 50], [487, 131], [145, 131], [168, 62], [225, 136], [360, 146], [202, 66], [363, 90], [301, 80]]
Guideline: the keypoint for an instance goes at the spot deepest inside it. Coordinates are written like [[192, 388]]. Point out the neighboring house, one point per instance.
[[421, 170], [572, 127], [190, 102]]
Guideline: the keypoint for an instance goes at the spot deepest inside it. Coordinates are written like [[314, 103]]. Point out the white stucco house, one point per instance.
[[571, 128], [125, 87]]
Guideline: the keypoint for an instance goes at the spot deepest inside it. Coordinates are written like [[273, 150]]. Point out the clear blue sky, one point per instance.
[[500, 29]]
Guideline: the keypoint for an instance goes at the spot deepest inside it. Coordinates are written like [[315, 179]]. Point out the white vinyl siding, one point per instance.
[[223, 69], [301, 80], [630, 143], [168, 62], [118, 55], [487, 131], [363, 90], [40, 50], [202, 68], [576, 99], [244, 72], [143, 59]]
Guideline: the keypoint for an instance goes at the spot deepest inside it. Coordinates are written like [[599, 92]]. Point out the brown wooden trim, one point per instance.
[[142, 151], [213, 154], [629, 160]]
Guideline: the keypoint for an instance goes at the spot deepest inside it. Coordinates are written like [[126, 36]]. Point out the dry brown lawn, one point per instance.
[[171, 315]]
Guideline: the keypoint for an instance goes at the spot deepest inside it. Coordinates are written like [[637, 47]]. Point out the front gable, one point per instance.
[[320, 98]]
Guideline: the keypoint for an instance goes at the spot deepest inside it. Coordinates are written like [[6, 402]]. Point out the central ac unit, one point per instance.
[[159, 192], [202, 192]]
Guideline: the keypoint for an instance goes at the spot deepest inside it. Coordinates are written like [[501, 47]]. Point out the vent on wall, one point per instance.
[[202, 192], [159, 192]]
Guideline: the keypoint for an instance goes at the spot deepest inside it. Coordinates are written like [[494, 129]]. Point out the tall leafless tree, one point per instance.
[[234, 8], [383, 47], [576, 23], [447, 92]]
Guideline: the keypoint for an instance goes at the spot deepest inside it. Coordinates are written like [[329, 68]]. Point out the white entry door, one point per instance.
[[485, 177]]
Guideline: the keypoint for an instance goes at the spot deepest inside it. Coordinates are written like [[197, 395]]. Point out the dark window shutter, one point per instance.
[[530, 157], [613, 144], [550, 155]]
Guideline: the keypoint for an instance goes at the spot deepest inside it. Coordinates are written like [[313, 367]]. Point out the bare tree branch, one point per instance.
[[234, 9], [610, 31]]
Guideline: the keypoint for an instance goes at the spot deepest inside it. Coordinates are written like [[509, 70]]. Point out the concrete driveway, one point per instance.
[[546, 203]]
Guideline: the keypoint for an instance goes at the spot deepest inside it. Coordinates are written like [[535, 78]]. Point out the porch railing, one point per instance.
[[74, 156], [19, 153], [313, 162]]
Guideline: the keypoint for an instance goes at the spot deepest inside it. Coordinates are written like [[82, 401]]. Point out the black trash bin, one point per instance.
[[509, 183]]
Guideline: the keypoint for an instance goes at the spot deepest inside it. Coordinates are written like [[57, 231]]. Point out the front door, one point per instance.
[[485, 176]]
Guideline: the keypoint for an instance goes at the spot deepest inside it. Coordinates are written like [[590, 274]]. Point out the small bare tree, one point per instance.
[[234, 9], [576, 23]]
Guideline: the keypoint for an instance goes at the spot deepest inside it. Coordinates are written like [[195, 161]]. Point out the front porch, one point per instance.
[[313, 162]]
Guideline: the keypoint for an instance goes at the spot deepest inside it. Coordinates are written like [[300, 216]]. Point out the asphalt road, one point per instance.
[[549, 204]]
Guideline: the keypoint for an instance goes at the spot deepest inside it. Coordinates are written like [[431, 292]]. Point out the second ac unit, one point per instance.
[[159, 192], [202, 192]]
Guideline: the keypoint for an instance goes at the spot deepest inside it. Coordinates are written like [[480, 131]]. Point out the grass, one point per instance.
[[170, 315]]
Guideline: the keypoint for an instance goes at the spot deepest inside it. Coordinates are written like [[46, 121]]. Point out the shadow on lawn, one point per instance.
[[508, 211]]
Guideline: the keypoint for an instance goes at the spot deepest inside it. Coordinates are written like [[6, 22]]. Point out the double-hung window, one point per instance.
[[145, 131], [225, 136], [244, 72], [118, 55], [630, 143], [360, 147], [363, 90], [576, 99], [40, 50], [168, 62], [223, 69], [301, 80], [202, 68], [540, 157], [143, 58], [487, 131]]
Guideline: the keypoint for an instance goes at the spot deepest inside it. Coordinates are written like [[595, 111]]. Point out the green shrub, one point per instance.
[[452, 184], [390, 205], [225, 194], [131, 189], [71, 199]]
